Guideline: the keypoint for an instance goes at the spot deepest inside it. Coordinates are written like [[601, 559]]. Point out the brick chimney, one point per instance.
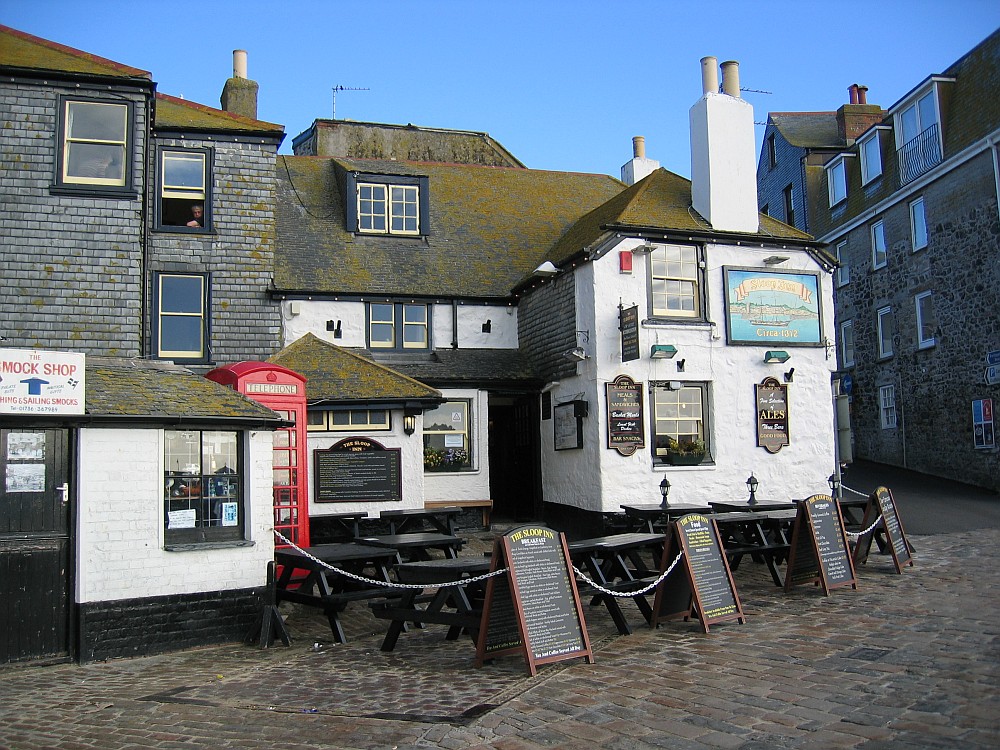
[[239, 95], [723, 152], [855, 118]]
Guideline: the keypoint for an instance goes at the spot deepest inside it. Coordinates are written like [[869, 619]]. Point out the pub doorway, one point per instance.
[[515, 460], [35, 543]]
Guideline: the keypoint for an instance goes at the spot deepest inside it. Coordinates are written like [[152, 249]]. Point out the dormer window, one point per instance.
[[918, 133], [871, 158], [388, 204], [836, 179]]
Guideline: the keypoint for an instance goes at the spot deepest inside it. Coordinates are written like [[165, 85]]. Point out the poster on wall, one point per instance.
[[982, 423], [771, 308], [568, 424]]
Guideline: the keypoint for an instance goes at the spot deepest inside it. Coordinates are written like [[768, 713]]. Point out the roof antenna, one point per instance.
[[343, 88]]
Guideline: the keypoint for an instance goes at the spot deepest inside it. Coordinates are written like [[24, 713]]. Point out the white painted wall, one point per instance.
[[597, 478], [313, 315], [119, 551], [411, 459]]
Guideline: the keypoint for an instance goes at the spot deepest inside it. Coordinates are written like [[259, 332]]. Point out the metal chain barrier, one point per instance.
[[854, 536], [637, 592], [466, 581], [845, 487], [387, 584]]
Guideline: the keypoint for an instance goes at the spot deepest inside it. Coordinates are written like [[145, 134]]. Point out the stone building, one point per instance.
[[137, 246], [909, 204]]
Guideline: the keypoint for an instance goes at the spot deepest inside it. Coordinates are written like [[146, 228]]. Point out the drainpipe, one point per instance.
[[454, 324]]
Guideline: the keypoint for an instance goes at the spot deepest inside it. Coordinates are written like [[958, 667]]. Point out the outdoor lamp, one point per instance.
[[834, 483], [776, 357], [752, 486], [409, 424], [664, 491]]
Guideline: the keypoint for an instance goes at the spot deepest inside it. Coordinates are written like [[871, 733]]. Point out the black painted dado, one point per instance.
[[141, 627]]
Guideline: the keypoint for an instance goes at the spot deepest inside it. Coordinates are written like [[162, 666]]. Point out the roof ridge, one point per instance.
[[73, 52], [212, 110]]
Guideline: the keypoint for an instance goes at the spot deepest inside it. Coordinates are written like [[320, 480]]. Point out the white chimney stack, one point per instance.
[[640, 166], [723, 152]]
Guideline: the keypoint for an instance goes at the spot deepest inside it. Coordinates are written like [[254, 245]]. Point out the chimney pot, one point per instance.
[[862, 94], [853, 91], [709, 75], [731, 78], [639, 147], [239, 63]]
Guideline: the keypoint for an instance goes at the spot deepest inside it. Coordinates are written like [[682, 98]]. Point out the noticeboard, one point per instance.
[[626, 433], [628, 325], [819, 550], [535, 608], [884, 515], [709, 587], [357, 469]]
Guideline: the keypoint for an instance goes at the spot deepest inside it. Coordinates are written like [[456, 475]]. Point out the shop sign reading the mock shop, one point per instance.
[[33, 381]]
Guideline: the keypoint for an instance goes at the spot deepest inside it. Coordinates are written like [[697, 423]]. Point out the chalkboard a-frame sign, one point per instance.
[[707, 587], [534, 609], [882, 509], [819, 551]]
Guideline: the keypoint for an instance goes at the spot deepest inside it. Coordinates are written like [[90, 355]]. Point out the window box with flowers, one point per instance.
[[449, 459], [686, 453]]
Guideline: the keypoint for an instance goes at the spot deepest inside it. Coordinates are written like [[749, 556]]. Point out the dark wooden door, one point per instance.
[[34, 545], [515, 471]]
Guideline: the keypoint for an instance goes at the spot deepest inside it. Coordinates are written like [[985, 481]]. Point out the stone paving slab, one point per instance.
[[905, 661]]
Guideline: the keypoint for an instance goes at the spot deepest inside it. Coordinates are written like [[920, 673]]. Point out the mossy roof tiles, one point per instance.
[[179, 114], [335, 373], [489, 226], [161, 392], [808, 129], [21, 50]]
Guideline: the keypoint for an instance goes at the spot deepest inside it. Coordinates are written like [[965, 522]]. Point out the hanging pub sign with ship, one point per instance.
[[772, 415], [625, 423]]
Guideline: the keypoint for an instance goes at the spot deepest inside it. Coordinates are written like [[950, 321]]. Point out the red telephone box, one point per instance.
[[283, 391]]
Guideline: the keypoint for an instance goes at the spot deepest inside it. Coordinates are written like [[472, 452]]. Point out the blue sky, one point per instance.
[[563, 84]]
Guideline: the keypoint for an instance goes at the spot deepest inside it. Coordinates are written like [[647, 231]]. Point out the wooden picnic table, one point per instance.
[[312, 581], [441, 520], [416, 546], [654, 517]]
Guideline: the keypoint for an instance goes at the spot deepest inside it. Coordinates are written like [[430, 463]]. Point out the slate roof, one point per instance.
[[661, 201], [160, 391], [179, 114], [338, 374], [451, 368], [31, 53], [808, 129], [489, 226]]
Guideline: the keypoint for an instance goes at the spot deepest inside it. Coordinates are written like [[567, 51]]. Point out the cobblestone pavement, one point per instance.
[[905, 661]]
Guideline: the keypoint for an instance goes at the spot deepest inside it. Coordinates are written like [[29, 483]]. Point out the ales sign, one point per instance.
[[772, 415]]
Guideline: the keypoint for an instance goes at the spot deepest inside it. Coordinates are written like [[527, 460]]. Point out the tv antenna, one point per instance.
[[343, 88]]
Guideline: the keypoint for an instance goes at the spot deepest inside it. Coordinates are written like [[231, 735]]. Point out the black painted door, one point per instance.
[[34, 544]]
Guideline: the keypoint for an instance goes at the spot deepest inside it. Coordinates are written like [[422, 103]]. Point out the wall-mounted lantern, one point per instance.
[[663, 351]]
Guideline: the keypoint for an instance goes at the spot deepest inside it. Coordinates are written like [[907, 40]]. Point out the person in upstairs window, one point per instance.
[[197, 216]]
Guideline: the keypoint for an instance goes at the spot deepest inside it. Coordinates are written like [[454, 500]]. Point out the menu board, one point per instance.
[[772, 415], [534, 609], [357, 469], [713, 591], [628, 324], [625, 421], [882, 510], [819, 550]]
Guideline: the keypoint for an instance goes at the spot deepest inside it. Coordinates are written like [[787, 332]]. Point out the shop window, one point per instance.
[[679, 419], [94, 143], [183, 181], [203, 487], [448, 437], [349, 420], [398, 326], [181, 320], [675, 281]]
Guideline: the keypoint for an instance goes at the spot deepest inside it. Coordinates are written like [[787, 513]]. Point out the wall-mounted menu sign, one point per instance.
[[357, 469], [628, 324], [772, 415], [819, 550], [709, 586], [626, 431], [882, 509], [535, 609]]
